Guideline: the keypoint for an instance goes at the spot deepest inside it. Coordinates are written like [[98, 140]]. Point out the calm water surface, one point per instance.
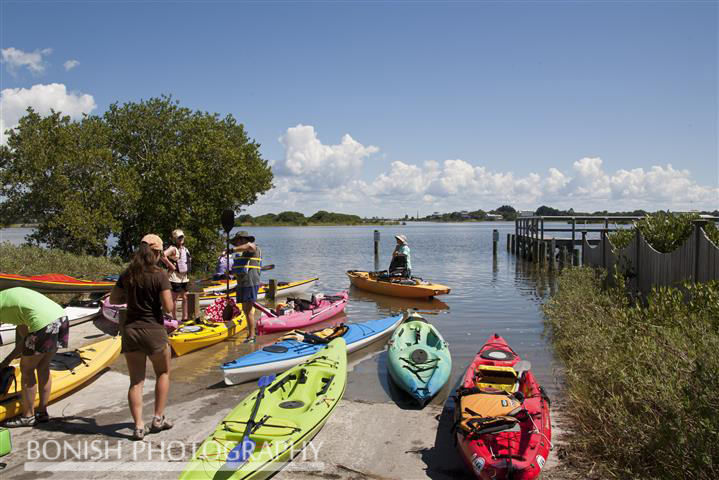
[[502, 295]]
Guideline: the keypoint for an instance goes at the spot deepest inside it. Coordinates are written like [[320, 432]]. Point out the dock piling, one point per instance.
[[272, 289]]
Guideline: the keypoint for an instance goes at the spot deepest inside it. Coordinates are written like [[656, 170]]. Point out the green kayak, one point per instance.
[[418, 359], [293, 409]]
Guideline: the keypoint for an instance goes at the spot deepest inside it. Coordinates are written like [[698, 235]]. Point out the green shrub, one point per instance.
[[641, 382], [664, 231]]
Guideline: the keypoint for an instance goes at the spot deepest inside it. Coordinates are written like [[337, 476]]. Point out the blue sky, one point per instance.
[[410, 105]]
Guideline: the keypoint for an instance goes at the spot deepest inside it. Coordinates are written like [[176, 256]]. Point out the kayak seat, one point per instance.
[[497, 378]]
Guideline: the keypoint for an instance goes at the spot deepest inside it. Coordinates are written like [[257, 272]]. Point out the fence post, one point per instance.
[[584, 247], [552, 254], [604, 248], [509, 235], [698, 226], [272, 289]]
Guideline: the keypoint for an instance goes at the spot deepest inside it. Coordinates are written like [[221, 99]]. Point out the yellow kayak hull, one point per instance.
[[191, 336], [366, 281], [97, 357]]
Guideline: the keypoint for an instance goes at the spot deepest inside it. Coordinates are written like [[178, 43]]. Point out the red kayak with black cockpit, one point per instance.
[[502, 419]]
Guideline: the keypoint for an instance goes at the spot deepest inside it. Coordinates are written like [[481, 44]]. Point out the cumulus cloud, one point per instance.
[[42, 98], [315, 176], [33, 61], [315, 165], [70, 64]]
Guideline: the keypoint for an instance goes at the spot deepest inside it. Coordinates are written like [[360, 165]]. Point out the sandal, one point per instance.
[[20, 422], [42, 417], [159, 424], [250, 340], [139, 433]]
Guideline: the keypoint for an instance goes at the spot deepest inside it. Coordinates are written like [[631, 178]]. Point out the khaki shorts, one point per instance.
[[146, 340]]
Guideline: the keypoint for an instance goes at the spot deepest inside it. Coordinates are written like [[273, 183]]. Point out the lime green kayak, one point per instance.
[[293, 409]]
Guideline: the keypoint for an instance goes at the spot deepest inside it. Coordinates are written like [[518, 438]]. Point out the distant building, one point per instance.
[[494, 216]]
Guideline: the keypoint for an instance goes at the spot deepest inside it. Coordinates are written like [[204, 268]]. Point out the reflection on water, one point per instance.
[[501, 294]]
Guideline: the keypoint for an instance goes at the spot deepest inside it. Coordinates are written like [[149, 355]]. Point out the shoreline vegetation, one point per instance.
[[640, 382]]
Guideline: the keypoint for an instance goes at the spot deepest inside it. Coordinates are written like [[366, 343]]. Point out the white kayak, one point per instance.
[[77, 314]]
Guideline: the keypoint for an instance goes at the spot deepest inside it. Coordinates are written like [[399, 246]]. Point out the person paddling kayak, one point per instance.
[[401, 264], [246, 266]]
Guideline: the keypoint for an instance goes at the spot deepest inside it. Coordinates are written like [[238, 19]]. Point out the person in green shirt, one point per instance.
[[42, 328]]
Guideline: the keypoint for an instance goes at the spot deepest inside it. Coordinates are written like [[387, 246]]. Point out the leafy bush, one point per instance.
[[664, 231], [641, 382]]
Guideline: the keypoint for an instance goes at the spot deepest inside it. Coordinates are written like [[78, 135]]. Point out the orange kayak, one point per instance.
[[407, 287]]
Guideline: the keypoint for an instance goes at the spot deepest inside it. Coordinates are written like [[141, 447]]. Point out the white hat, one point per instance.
[[177, 233], [401, 238]]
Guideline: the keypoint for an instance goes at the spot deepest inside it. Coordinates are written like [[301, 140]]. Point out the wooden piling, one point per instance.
[[552, 254], [193, 305], [376, 249], [542, 254], [514, 243], [272, 289], [495, 241], [508, 241], [575, 257]]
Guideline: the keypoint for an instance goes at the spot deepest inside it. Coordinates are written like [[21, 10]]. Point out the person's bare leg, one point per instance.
[[184, 306], [44, 380], [249, 311], [174, 305], [28, 365], [136, 366], [161, 365]]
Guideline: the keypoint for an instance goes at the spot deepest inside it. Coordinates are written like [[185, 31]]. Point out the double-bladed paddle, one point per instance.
[[243, 450], [228, 223]]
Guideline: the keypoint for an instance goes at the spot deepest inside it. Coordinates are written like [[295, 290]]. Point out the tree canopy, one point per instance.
[[148, 166]]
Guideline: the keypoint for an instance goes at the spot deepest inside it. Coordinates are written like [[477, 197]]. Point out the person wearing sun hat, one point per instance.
[[178, 264], [401, 258], [146, 289], [246, 267]]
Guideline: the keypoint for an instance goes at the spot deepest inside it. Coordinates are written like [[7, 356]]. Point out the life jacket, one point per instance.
[[244, 262], [398, 266], [481, 413]]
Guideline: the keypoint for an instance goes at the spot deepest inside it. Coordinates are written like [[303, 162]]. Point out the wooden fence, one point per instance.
[[696, 260]]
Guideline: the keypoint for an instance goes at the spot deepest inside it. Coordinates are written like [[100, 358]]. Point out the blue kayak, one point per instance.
[[418, 359], [285, 354]]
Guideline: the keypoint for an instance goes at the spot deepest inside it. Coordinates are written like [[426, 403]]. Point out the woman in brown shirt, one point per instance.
[[146, 290]]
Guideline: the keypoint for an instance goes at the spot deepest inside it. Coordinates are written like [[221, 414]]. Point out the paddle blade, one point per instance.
[[266, 380], [240, 454], [228, 220], [227, 313]]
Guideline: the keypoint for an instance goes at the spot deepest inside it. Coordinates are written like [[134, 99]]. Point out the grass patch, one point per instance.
[[642, 382], [32, 260]]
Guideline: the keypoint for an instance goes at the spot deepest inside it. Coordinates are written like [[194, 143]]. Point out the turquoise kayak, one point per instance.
[[419, 360]]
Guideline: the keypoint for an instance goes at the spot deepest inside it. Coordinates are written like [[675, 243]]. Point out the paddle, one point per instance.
[[228, 223], [244, 449]]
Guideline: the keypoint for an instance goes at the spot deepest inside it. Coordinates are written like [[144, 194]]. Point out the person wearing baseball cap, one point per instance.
[[401, 264], [246, 267], [145, 288], [178, 264]]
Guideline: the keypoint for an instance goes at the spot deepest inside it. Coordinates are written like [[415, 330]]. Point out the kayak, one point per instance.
[[418, 359], [196, 334], [111, 312], [53, 283], [283, 289], [321, 310], [77, 313], [407, 287], [503, 426], [285, 354], [69, 371], [293, 409]]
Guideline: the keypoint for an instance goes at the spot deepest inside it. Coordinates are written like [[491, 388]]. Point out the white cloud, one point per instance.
[[315, 166], [314, 176], [16, 59], [70, 64], [42, 98]]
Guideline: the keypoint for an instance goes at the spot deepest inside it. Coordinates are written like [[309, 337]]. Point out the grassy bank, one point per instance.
[[27, 260], [642, 383]]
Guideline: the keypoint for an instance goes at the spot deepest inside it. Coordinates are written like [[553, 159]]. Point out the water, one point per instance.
[[488, 296]]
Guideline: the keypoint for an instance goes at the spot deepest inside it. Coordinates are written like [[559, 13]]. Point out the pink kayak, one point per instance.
[[317, 311], [112, 313]]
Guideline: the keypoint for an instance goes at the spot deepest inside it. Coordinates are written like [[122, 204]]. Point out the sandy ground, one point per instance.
[[362, 439]]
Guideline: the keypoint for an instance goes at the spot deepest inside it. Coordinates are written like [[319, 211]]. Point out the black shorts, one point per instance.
[[179, 287]]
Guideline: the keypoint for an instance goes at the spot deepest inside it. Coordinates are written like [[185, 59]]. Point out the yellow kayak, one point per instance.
[[407, 288], [191, 336], [283, 289], [69, 371]]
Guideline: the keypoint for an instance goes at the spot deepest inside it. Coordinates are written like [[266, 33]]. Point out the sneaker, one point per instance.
[[159, 424], [21, 422], [42, 417], [139, 433]]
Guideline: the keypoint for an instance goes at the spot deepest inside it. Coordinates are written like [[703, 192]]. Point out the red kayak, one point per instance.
[[304, 313], [53, 283], [502, 424]]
